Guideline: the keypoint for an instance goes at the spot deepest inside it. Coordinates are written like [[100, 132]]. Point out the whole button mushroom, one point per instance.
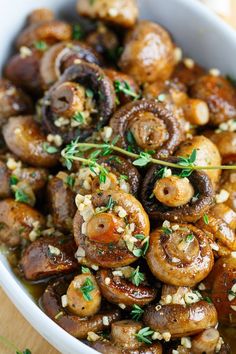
[[148, 53], [118, 12]]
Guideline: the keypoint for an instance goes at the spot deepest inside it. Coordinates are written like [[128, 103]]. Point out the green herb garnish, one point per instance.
[[79, 117], [144, 335], [136, 312], [41, 45], [206, 219], [13, 180], [86, 289], [21, 196], [85, 269], [50, 149], [70, 181], [77, 32], [189, 238], [137, 277]]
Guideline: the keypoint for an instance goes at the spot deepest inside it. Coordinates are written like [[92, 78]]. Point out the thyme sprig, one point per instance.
[[73, 152]]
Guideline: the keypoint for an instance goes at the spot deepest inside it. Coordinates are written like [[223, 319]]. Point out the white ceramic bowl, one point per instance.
[[200, 33]]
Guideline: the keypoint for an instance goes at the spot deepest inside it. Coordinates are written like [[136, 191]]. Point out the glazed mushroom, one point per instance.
[[225, 142], [219, 95], [47, 257], [166, 195], [220, 227], [118, 12], [23, 70], [104, 41], [18, 221], [121, 175], [124, 340], [49, 31], [207, 155], [179, 320], [229, 184], [188, 72], [146, 125], [80, 102], [205, 342], [40, 15], [25, 139], [179, 255], [36, 178], [5, 190], [117, 287], [13, 101], [77, 326], [125, 86], [61, 55], [105, 226], [148, 53], [61, 202], [223, 289]]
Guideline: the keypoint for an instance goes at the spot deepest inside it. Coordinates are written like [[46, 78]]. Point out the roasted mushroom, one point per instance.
[[167, 194], [76, 325], [18, 221], [13, 101], [179, 254], [61, 201], [124, 340], [40, 15], [225, 141], [121, 175], [117, 287], [5, 190], [180, 320], [48, 256], [105, 226], [222, 281], [49, 31], [188, 72], [61, 55], [148, 53], [23, 70], [80, 102], [220, 227], [207, 155], [206, 342], [146, 125], [229, 184], [118, 12], [25, 139], [220, 96]]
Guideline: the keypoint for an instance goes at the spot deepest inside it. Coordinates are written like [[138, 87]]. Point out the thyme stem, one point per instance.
[[136, 156]]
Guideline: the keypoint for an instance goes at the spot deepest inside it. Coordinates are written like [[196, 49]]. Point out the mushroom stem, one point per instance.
[[65, 154]]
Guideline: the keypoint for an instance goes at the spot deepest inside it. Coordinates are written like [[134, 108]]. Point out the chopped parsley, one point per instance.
[[50, 149], [206, 219], [41, 45], [79, 117], [21, 196]]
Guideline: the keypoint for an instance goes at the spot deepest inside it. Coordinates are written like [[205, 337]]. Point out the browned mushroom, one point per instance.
[[121, 175], [61, 199], [220, 227], [103, 40], [167, 195], [180, 320], [148, 53], [119, 12], [181, 256], [124, 340], [222, 280], [188, 74], [51, 31], [226, 144], [105, 226], [147, 125], [229, 184], [61, 55], [117, 287], [125, 86], [18, 221], [207, 155], [25, 139], [5, 190], [48, 256], [35, 177], [75, 325], [13, 101], [80, 102], [220, 96], [206, 342], [40, 15], [23, 70]]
